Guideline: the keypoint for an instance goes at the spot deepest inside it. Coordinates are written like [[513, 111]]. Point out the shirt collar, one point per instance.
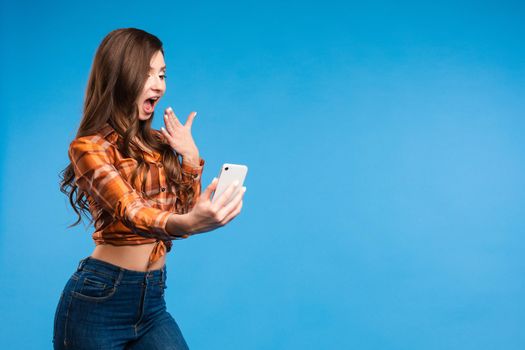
[[108, 130]]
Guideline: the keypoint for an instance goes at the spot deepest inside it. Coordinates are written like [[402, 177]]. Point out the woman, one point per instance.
[[140, 195]]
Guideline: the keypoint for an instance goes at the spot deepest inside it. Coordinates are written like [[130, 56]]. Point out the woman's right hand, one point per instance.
[[207, 216]]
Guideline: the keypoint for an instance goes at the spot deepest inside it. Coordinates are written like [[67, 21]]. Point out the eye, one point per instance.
[[161, 76]]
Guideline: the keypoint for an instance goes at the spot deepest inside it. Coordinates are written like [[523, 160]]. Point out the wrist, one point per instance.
[[178, 225], [192, 160], [191, 153]]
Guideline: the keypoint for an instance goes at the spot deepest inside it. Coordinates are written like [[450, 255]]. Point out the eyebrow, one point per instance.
[[161, 68]]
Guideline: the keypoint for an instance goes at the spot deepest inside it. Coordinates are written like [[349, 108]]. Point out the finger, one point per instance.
[[173, 118], [233, 213], [208, 191], [191, 117], [228, 208], [168, 120], [221, 201], [166, 135], [169, 124]]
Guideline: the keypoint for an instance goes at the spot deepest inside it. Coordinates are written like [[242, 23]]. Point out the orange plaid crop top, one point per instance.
[[121, 215]]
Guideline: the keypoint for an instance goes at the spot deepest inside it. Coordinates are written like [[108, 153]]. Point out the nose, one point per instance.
[[158, 83]]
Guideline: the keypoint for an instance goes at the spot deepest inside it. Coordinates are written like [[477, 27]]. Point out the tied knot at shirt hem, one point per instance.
[[158, 251]]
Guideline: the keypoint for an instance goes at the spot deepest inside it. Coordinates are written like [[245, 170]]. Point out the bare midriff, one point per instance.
[[131, 257]]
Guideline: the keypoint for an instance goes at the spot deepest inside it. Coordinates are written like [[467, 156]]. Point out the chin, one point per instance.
[[145, 117]]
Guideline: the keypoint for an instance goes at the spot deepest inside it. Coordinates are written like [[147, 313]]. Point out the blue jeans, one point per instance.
[[104, 306]]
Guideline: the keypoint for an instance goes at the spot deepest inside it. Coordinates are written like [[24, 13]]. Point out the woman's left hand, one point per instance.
[[178, 136]]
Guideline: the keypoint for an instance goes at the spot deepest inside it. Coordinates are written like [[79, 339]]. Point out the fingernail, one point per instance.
[[244, 189], [236, 183], [214, 179], [162, 128], [171, 110]]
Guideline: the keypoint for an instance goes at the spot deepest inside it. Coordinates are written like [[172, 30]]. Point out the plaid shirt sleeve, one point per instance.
[[191, 175], [96, 175]]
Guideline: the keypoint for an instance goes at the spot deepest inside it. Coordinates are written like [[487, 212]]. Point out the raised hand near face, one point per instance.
[[179, 137]]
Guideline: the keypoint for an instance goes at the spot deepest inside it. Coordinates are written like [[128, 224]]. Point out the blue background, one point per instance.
[[385, 143]]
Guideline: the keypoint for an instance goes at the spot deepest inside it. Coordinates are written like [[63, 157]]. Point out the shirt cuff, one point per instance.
[[192, 169], [191, 173]]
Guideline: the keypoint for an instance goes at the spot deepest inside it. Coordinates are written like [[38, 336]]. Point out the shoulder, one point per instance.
[[104, 138], [92, 146], [91, 142]]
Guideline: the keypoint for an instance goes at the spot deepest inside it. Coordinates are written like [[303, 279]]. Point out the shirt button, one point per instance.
[[163, 189]]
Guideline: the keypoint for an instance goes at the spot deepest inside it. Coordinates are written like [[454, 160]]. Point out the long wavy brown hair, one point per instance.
[[117, 77]]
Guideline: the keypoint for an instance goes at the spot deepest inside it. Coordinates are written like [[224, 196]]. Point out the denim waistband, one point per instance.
[[119, 273]]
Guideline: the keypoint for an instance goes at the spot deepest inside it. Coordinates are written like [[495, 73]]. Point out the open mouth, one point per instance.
[[149, 104]]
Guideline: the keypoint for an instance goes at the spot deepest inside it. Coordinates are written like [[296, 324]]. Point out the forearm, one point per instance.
[[178, 225]]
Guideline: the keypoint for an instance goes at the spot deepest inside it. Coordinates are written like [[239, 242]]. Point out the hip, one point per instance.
[[104, 300]]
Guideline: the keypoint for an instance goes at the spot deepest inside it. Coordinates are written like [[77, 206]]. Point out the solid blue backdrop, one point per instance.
[[385, 193]]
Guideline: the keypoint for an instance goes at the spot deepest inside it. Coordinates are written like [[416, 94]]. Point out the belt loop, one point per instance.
[[146, 277], [119, 278], [81, 264]]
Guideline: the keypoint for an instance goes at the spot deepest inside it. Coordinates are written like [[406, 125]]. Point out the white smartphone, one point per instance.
[[228, 174]]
